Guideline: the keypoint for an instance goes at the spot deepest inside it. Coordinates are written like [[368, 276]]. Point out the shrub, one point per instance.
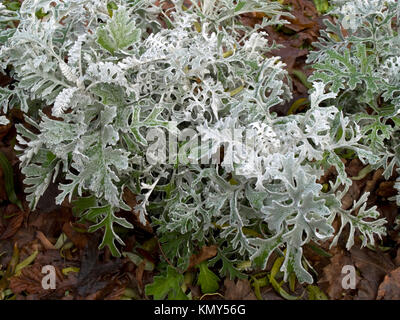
[[359, 59], [126, 79]]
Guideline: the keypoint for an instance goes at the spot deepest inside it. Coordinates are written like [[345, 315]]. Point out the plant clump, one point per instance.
[[173, 102]]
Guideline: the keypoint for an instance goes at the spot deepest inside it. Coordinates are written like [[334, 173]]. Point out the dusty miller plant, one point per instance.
[[116, 74], [358, 58]]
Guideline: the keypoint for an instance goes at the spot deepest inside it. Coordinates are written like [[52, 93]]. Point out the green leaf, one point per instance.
[[168, 285], [137, 260], [315, 293], [110, 94], [278, 286], [105, 40], [303, 78], [151, 121], [207, 280], [332, 159], [13, 6], [375, 131], [9, 180], [240, 5], [25, 263], [265, 248], [41, 13], [347, 70], [228, 268], [119, 33], [318, 250], [322, 6], [62, 239], [111, 6], [106, 214], [82, 204], [176, 247]]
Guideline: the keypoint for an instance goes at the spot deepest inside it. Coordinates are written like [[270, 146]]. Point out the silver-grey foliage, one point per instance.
[[113, 76], [358, 58]]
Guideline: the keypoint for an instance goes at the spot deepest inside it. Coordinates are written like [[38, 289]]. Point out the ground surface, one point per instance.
[[50, 235]]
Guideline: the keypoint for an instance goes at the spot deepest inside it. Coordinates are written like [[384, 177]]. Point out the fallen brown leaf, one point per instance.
[[390, 212], [13, 226], [373, 266], [78, 239], [139, 275], [112, 291], [376, 177], [4, 130], [45, 242], [389, 289], [241, 290], [332, 275], [206, 252], [30, 281], [268, 293], [386, 189], [397, 259], [353, 194], [93, 273]]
